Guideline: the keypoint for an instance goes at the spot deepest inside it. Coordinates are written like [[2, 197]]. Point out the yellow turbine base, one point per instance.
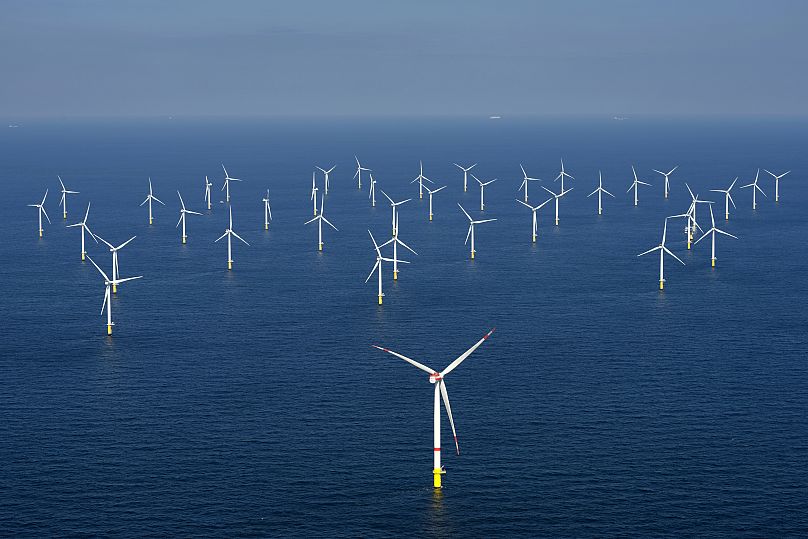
[[661, 285], [436, 476], [266, 226], [688, 244], [713, 262], [420, 195], [109, 329], [115, 289], [64, 215], [395, 276], [380, 300], [472, 255], [229, 264], [320, 247], [430, 216], [556, 221], [150, 220], [83, 255], [315, 213], [40, 233], [183, 239]]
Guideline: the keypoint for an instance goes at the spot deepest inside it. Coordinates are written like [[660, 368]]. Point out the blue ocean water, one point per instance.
[[250, 403]]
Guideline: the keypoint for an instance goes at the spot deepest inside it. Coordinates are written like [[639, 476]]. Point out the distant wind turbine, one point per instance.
[[526, 181], [107, 298], [114, 250], [394, 205], [65, 192], [420, 179], [600, 190], [465, 175], [358, 174], [561, 175], [229, 232], [208, 185], [432, 192], [372, 193], [378, 266], [149, 199], [557, 198], [662, 250], [226, 186], [183, 213], [667, 175], [777, 178], [267, 211], [727, 198], [482, 190], [314, 192], [470, 233], [396, 242], [326, 173], [755, 187], [320, 218], [534, 210], [41, 209], [635, 185], [84, 228], [713, 230]]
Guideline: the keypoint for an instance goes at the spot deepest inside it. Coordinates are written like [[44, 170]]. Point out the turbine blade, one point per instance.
[[445, 396], [453, 365], [405, 358]]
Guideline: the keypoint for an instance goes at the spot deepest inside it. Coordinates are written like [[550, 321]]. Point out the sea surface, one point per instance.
[[250, 403]]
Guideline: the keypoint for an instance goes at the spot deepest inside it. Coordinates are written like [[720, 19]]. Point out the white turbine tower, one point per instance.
[[396, 242], [482, 190], [183, 213], [267, 211], [527, 180], [470, 233], [557, 198], [41, 209], [378, 266], [394, 205], [432, 192], [314, 192], [358, 174], [114, 250], [635, 185], [149, 199], [320, 218], [438, 379], [562, 175], [662, 250], [208, 185], [226, 186], [230, 233], [667, 187], [713, 231], [727, 198], [327, 172], [465, 175], [107, 298], [420, 179], [755, 187], [372, 193], [84, 228], [535, 209], [777, 178], [600, 190], [65, 192]]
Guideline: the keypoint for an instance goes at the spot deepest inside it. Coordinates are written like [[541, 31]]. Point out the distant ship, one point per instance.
[[494, 117], [13, 125], [619, 117]]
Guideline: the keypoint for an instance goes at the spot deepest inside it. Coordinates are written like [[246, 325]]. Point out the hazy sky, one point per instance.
[[117, 57]]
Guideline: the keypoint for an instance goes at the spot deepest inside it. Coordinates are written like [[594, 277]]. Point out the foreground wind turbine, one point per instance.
[[41, 209], [562, 175], [65, 192], [149, 199], [394, 205], [635, 185], [482, 190], [470, 233], [396, 242], [712, 231], [727, 198], [84, 228], [465, 175], [226, 186], [183, 212], [372, 193], [777, 183], [600, 190], [314, 192], [114, 250], [437, 378], [267, 211], [420, 179], [358, 174], [107, 298], [229, 233], [527, 180], [320, 218], [378, 266], [537, 208], [327, 172], [667, 187], [557, 198], [662, 250], [208, 185], [432, 192], [755, 187]]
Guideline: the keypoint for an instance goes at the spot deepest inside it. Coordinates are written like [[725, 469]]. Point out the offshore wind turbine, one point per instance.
[[727, 198], [394, 205], [267, 211], [41, 209], [536, 209], [692, 223], [230, 233], [372, 193], [432, 192], [600, 190], [420, 179], [470, 233], [327, 172], [482, 190], [527, 180], [226, 186], [662, 250], [635, 185], [358, 174], [557, 198], [378, 266], [314, 192], [465, 175], [107, 298], [713, 231], [65, 192], [396, 241], [667, 186], [320, 218], [183, 213], [438, 379], [777, 178], [84, 228], [114, 250], [755, 187], [208, 185], [149, 199], [562, 175]]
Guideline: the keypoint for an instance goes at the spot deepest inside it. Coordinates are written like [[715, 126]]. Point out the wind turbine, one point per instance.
[[208, 185], [327, 172], [359, 169], [667, 183], [320, 218], [183, 212], [114, 250], [420, 179], [149, 199], [482, 190], [562, 175], [372, 193], [755, 187], [107, 298], [777, 183], [600, 190], [267, 211], [65, 192], [437, 378], [692, 223], [226, 186], [314, 193], [396, 241], [557, 197], [635, 185], [712, 231], [537, 208], [41, 209], [662, 250], [84, 228], [465, 175], [527, 180], [432, 192], [230, 233], [393, 205], [378, 266], [727, 198], [470, 233]]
